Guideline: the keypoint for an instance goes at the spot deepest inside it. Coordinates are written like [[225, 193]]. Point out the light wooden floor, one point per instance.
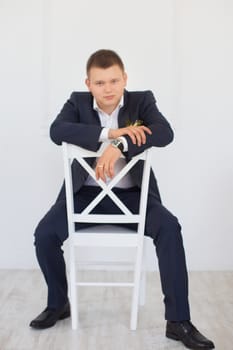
[[105, 313]]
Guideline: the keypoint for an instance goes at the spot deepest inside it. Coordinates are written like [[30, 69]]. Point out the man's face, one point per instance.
[[107, 86]]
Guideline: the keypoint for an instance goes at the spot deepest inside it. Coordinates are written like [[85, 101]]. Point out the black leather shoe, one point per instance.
[[188, 334], [49, 317]]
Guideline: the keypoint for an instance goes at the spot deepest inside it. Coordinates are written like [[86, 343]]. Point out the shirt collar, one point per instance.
[[120, 105]]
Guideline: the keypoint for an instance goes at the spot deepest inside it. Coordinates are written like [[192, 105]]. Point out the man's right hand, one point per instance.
[[136, 133]]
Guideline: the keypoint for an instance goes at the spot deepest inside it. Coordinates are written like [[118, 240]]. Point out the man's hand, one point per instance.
[[105, 164], [136, 133]]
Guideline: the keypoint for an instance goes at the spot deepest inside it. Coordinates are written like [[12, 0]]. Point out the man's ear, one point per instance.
[[125, 78], [87, 82]]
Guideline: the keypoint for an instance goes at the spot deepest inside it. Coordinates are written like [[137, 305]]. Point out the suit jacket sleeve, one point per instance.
[[72, 126], [162, 133]]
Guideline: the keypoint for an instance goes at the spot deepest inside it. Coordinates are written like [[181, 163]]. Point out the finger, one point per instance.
[[100, 172], [97, 172], [141, 134], [132, 136], [111, 170], [135, 134], [106, 170], [102, 175], [146, 129], [138, 136]]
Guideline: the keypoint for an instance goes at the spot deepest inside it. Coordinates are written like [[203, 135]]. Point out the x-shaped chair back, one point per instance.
[[72, 152]]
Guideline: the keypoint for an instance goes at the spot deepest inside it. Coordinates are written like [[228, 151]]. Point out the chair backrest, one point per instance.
[[72, 152]]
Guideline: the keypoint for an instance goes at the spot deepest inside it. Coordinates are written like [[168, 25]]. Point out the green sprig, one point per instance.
[[137, 122]]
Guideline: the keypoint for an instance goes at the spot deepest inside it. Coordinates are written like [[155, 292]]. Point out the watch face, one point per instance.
[[118, 144]]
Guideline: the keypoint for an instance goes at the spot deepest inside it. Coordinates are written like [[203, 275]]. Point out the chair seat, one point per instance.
[[106, 229], [105, 236]]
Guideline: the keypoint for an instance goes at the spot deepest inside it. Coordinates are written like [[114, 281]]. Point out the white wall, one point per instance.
[[182, 50]]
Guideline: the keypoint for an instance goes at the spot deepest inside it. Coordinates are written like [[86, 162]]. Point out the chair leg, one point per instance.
[[73, 291], [142, 294], [133, 321], [135, 299], [134, 309]]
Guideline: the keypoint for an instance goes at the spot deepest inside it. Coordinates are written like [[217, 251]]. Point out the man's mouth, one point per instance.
[[110, 97]]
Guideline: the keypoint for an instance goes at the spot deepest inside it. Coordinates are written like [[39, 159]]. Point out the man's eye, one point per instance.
[[99, 83]]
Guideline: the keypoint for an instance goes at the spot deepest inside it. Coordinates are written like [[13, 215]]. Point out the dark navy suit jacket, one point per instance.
[[78, 123]]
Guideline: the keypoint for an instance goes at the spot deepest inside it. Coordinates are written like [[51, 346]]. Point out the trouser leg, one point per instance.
[[165, 230], [50, 234], [49, 237]]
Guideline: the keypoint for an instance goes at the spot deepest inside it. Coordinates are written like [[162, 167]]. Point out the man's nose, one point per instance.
[[107, 87]]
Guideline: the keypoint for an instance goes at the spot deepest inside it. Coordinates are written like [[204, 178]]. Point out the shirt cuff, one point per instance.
[[104, 135], [125, 143]]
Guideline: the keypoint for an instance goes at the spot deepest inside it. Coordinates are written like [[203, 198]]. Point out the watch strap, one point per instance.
[[117, 143]]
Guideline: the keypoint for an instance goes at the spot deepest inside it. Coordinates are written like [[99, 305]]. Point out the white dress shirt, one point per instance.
[[110, 121]]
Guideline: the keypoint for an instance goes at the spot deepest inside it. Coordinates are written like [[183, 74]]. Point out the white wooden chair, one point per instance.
[[105, 235]]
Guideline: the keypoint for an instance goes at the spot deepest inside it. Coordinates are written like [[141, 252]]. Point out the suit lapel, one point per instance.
[[95, 117], [91, 115], [123, 115]]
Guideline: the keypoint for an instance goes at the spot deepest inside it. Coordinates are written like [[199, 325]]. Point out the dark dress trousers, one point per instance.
[[78, 123]]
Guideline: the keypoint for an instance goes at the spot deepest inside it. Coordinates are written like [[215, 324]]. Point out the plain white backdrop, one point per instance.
[[180, 49]]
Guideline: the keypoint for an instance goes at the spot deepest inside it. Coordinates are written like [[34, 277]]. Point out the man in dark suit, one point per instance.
[[125, 122]]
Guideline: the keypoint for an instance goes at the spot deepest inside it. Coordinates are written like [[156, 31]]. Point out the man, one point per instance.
[[99, 118]]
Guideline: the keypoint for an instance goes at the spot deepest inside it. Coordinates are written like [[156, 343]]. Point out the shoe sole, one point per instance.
[[175, 337], [65, 315], [172, 336]]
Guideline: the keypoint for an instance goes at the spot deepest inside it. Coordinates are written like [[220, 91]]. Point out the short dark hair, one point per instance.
[[104, 59]]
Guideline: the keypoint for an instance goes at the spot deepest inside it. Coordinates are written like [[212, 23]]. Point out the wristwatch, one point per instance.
[[117, 143]]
